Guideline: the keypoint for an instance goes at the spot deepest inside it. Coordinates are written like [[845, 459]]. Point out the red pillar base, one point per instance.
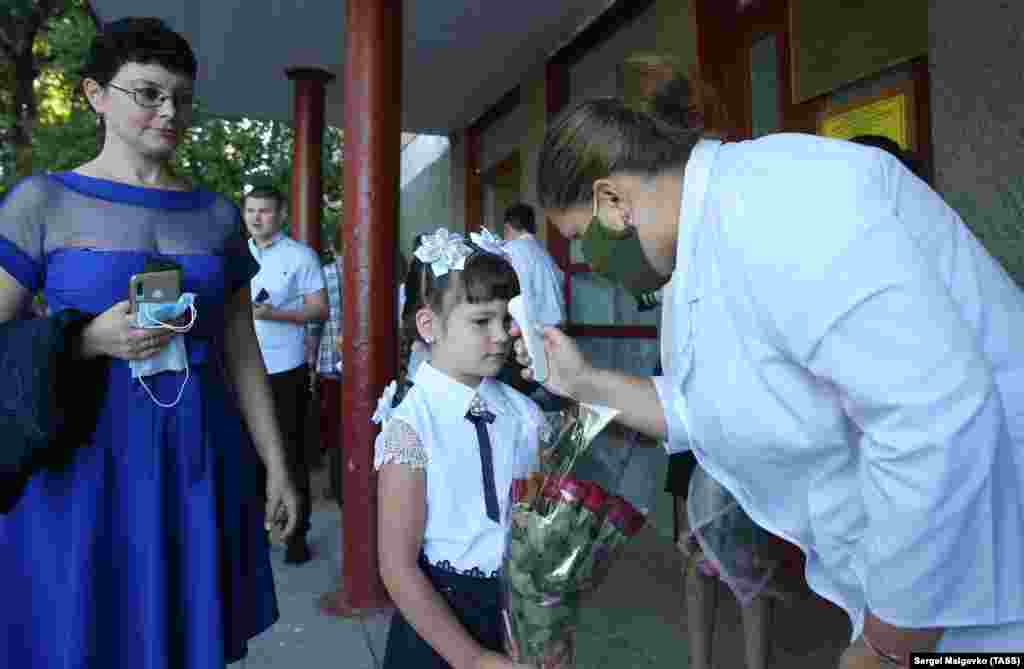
[[336, 604]]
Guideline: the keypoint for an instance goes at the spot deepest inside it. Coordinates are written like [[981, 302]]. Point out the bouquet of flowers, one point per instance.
[[564, 533]]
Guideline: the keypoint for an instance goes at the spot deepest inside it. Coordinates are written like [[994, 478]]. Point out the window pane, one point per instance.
[[764, 87], [633, 356], [597, 301], [593, 300], [576, 251]]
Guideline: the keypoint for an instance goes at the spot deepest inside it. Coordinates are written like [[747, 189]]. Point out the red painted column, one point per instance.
[[474, 187], [307, 172], [372, 163]]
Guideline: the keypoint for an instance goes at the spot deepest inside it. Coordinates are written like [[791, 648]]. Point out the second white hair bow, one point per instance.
[[444, 251], [488, 241], [384, 405]]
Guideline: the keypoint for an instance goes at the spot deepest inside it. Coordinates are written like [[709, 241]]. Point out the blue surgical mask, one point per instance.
[[174, 357]]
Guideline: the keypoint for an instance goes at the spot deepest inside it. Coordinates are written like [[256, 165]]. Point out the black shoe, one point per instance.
[[297, 551]]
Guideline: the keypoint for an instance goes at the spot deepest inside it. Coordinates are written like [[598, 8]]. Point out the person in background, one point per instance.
[[324, 356], [542, 282], [145, 550], [287, 293]]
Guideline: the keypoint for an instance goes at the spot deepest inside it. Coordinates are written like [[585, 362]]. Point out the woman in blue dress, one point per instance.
[[148, 551]]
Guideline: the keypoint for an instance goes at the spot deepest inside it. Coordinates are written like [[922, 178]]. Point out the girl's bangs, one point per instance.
[[487, 277]]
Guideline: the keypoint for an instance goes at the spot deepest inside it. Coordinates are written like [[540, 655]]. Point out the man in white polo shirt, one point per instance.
[[542, 285], [540, 279], [288, 292]]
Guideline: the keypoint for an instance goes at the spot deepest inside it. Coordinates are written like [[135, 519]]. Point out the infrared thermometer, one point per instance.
[[532, 337]]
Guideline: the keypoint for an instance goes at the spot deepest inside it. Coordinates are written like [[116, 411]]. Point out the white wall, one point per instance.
[[419, 154], [977, 105]]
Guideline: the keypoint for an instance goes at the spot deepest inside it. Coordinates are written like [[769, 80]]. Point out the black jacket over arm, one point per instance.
[[49, 401]]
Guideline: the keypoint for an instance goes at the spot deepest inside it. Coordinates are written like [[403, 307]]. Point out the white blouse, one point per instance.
[[843, 355], [429, 430]]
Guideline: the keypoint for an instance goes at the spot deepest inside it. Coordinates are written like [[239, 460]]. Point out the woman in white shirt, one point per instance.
[[837, 353], [449, 449]]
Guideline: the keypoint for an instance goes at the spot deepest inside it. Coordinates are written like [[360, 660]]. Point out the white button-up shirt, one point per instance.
[[843, 355], [289, 270], [458, 533], [540, 280]]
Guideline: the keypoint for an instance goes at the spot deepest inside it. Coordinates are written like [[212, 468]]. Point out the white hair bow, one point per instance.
[[444, 251], [488, 241], [384, 408]]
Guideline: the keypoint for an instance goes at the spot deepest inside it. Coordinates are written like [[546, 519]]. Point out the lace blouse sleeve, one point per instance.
[[399, 444]]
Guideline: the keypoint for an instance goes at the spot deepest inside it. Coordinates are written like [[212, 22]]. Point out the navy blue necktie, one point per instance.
[[479, 417]]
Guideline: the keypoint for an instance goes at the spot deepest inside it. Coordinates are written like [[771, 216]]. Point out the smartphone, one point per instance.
[[162, 286]]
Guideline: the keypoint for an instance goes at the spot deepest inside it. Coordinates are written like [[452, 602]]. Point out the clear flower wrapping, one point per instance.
[[565, 530]]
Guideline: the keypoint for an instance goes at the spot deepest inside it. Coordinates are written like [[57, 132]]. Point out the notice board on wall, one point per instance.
[[836, 42], [887, 115]]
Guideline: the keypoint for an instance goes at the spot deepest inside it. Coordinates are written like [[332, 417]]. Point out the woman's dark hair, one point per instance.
[[599, 137], [266, 192], [520, 216], [485, 277], [147, 41], [891, 147]]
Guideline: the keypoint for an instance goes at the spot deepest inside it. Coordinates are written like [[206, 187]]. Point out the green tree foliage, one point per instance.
[[229, 155], [66, 133], [26, 65], [223, 155]]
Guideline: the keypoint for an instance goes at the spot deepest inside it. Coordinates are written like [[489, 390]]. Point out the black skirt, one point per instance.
[[476, 603]]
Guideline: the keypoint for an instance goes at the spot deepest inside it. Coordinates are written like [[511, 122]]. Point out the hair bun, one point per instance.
[[674, 103], [661, 89]]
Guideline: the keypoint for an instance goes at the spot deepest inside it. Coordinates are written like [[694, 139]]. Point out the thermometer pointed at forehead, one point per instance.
[[532, 337]]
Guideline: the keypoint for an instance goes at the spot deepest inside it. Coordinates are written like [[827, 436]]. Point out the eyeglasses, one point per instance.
[[149, 97]]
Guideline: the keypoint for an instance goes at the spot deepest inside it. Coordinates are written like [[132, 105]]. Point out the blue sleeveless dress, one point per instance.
[[148, 550]]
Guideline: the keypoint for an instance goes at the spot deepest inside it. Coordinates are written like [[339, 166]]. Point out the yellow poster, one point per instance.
[[887, 117]]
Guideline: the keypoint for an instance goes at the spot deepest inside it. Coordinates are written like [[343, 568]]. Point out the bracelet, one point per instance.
[[886, 658]]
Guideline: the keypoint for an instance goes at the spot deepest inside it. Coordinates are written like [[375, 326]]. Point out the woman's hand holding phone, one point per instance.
[[114, 334]]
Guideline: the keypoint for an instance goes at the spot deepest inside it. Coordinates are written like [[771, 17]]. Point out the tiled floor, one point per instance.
[[303, 638]]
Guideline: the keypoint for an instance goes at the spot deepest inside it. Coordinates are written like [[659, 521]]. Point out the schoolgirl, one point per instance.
[[453, 439]]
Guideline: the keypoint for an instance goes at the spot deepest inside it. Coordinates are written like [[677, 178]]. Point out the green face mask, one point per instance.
[[618, 256]]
